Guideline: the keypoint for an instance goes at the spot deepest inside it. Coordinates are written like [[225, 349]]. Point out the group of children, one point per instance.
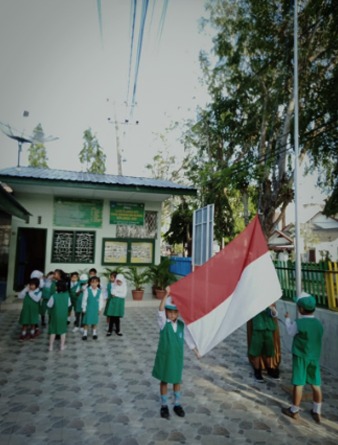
[[58, 295], [86, 298], [307, 332]]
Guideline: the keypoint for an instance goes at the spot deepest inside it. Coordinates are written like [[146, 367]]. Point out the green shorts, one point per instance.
[[305, 371], [262, 344]]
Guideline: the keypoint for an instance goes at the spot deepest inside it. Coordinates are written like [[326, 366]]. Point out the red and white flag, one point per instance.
[[229, 289]]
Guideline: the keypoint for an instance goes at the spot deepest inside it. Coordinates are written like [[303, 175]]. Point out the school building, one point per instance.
[[56, 219]]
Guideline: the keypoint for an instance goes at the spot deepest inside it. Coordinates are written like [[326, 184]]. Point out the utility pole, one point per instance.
[[118, 150]]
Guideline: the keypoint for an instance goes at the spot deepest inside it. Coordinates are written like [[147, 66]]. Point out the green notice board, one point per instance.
[[70, 212], [127, 213]]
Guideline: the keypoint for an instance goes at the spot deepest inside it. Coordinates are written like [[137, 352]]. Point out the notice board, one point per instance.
[[127, 213], [70, 212]]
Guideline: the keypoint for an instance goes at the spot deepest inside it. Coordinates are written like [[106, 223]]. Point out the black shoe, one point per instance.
[[289, 413], [315, 416], [108, 334], [273, 373], [165, 412], [179, 411], [258, 376], [84, 337], [119, 334], [94, 337]]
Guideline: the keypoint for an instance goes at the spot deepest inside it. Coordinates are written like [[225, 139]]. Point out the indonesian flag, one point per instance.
[[229, 289]]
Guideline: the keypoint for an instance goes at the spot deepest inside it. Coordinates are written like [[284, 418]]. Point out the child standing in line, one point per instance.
[[78, 305], [92, 304], [168, 365], [92, 272], [307, 332], [115, 305], [262, 342], [29, 316], [46, 293], [58, 305], [74, 292], [109, 295]]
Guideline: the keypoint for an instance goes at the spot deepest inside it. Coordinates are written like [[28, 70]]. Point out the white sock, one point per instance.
[[317, 407], [24, 332], [294, 408], [94, 332], [32, 331], [85, 332]]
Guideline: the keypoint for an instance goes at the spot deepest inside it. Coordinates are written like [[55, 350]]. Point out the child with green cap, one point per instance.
[[307, 332], [168, 365]]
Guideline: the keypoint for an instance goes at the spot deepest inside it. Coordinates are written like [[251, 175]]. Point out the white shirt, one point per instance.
[[162, 320], [35, 296], [85, 298], [50, 302], [291, 326]]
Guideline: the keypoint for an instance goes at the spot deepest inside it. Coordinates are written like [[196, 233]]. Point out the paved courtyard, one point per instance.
[[102, 392]]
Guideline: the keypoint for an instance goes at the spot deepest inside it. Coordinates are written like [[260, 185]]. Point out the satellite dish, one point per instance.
[[22, 138]]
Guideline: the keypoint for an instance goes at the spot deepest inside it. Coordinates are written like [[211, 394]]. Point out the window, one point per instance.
[[148, 230], [73, 247]]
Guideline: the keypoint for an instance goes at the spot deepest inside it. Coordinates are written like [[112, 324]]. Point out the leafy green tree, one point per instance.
[[92, 154], [176, 211], [243, 140], [37, 153], [180, 230]]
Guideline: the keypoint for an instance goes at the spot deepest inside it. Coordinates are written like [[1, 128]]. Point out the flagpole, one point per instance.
[[296, 138]]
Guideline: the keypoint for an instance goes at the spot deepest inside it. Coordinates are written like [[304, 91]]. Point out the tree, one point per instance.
[[92, 154], [243, 140], [180, 230], [177, 210], [37, 153]]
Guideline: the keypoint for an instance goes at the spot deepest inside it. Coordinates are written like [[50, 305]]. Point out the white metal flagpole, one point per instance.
[[296, 137]]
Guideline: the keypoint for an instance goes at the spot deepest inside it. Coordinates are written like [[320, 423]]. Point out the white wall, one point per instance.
[[42, 205]]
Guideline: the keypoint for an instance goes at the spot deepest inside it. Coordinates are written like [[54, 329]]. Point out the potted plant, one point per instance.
[[137, 278], [161, 277]]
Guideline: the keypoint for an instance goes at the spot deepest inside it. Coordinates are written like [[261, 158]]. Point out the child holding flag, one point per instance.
[[307, 332], [168, 365], [261, 344]]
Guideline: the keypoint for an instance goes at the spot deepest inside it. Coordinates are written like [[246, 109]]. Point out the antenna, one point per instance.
[[21, 138]]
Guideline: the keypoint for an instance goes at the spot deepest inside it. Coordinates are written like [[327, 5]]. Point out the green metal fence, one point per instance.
[[318, 279]]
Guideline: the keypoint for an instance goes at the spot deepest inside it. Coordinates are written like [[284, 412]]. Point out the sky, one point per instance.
[[71, 74]]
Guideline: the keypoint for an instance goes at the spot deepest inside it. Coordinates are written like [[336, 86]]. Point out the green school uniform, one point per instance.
[[262, 342], [307, 343], [168, 365], [306, 350], [91, 317], [59, 313], [78, 307], [74, 288], [30, 310], [109, 298], [114, 305], [46, 293]]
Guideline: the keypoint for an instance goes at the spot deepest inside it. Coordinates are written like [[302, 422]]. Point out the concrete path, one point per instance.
[[102, 392]]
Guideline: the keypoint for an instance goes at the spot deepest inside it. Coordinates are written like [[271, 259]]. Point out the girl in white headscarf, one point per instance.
[[116, 306]]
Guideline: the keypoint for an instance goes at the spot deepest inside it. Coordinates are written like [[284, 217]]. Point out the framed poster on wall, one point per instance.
[[114, 251], [138, 252]]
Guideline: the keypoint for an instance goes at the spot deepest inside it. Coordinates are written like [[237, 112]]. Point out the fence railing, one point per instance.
[[318, 279]]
